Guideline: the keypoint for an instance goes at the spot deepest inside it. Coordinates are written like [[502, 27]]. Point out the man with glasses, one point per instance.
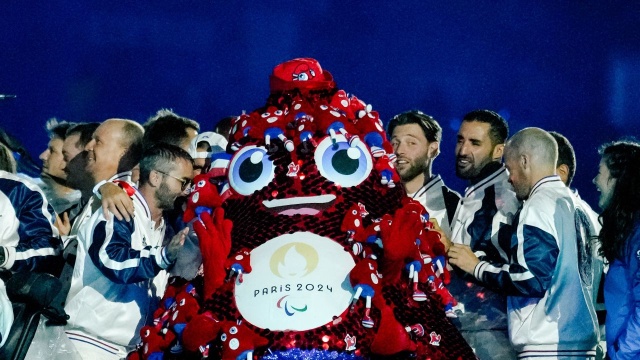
[[111, 290]]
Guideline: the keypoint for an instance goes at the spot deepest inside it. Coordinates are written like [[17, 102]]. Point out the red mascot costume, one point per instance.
[[307, 257]]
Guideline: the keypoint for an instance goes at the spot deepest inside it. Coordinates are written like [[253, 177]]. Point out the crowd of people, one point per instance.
[[527, 251]]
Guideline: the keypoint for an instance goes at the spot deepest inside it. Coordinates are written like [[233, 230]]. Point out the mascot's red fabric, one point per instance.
[[309, 256]]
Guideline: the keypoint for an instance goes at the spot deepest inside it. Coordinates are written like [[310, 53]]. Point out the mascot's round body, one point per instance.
[[315, 264]]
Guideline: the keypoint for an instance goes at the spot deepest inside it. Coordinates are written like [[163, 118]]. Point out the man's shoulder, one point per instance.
[[552, 194], [9, 181]]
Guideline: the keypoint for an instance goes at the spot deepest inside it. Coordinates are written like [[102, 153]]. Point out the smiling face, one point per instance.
[[474, 149], [310, 190], [105, 150], [605, 184], [413, 150]]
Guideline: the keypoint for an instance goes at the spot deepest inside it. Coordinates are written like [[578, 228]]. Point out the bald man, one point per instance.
[[547, 280]]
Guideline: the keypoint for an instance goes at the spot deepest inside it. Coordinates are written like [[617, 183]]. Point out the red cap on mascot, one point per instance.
[[300, 73]]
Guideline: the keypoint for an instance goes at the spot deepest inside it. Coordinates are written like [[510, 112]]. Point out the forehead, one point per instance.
[[182, 166], [71, 141], [603, 166], [474, 130], [56, 142], [412, 130]]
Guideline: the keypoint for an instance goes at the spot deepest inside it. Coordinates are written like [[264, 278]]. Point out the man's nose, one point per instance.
[[462, 149], [90, 145]]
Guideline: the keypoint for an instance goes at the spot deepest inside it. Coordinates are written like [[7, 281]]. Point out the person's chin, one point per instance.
[[462, 173]]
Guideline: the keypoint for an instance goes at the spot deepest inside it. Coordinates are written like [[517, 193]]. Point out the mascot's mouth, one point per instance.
[[300, 205]]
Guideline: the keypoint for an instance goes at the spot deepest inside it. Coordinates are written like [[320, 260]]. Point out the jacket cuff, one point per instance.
[[162, 260], [478, 271], [9, 257], [96, 189]]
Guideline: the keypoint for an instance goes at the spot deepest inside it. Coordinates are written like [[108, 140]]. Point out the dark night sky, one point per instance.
[[573, 67]]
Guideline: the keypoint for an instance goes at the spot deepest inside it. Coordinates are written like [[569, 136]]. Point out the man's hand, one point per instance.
[[463, 257], [443, 237], [116, 201], [63, 223], [175, 245]]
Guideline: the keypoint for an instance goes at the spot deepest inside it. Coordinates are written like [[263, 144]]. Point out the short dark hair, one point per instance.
[[566, 155], [85, 130], [57, 129], [167, 127], [498, 128], [223, 127], [161, 157], [430, 127]]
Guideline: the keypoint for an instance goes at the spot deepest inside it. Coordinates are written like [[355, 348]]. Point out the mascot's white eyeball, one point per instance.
[[250, 170], [341, 163]]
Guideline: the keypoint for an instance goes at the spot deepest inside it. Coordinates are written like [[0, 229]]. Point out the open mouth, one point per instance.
[[300, 205]]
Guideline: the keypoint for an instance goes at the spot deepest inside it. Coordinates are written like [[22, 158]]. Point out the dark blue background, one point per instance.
[[569, 67]]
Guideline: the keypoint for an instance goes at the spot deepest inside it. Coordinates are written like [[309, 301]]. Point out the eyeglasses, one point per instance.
[[184, 182]]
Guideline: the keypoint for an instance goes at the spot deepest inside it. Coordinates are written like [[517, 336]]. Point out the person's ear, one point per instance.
[[563, 171], [498, 151], [434, 149], [525, 162], [155, 178]]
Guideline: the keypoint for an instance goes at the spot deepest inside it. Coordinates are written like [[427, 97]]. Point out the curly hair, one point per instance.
[[618, 219]]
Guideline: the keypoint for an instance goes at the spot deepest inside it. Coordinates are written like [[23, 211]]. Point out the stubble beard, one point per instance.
[[412, 172], [164, 197]]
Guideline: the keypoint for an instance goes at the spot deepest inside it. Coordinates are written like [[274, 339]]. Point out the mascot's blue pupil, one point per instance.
[[250, 172], [343, 164]]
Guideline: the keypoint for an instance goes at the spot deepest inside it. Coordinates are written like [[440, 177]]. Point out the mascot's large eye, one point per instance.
[[250, 170], [344, 165]]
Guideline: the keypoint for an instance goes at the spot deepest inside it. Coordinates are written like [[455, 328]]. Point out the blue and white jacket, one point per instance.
[[482, 221], [548, 283], [111, 292], [622, 300], [30, 240], [439, 200]]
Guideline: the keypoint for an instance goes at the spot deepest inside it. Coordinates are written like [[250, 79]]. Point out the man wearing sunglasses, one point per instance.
[[112, 288]]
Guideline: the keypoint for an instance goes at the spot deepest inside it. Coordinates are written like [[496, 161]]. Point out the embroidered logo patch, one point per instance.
[[435, 339], [351, 342]]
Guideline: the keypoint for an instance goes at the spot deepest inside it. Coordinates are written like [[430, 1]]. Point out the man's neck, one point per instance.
[[148, 193], [417, 182], [57, 185], [489, 169]]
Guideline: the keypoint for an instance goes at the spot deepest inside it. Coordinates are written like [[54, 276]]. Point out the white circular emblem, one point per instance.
[[234, 344], [298, 282], [195, 198]]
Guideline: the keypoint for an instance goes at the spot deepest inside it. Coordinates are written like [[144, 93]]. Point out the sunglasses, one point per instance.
[[184, 182]]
